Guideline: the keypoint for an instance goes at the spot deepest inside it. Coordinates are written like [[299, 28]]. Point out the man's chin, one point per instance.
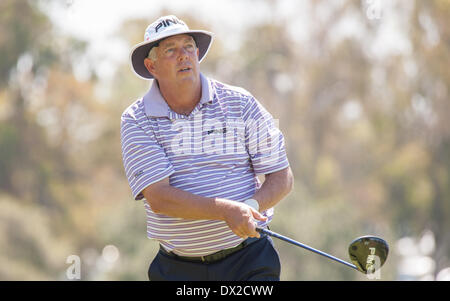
[[188, 77]]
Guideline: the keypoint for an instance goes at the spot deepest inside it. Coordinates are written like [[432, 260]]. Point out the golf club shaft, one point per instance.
[[287, 239]]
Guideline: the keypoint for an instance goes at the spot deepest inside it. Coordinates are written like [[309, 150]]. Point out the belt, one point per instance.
[[212, 257]]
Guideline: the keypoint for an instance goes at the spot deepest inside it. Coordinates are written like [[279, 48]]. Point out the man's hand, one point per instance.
[[241, 217]]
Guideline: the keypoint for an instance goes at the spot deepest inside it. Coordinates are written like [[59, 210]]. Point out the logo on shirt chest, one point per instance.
[[217, 131]]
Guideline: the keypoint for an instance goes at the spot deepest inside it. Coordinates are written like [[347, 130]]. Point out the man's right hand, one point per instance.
[[241, 218]]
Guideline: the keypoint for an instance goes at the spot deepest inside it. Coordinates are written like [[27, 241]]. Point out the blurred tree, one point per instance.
[[47, 117], [427, 117]]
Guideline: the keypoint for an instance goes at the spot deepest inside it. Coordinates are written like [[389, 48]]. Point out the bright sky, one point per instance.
[[97, 21], [82, 14]]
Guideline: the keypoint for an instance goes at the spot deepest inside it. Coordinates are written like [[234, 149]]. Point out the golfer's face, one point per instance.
[[177, 60]]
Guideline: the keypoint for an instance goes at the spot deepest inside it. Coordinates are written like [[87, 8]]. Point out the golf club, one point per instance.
[[368, 253]]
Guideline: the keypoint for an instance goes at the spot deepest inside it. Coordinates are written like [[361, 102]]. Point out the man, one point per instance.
[[192, 148]]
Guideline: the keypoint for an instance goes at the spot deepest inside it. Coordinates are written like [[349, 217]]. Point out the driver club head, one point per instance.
[[368, 253]]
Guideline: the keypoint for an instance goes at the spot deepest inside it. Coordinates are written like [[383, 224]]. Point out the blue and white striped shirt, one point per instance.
[[215, 151]]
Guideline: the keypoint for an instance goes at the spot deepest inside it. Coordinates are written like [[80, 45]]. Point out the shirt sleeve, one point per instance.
[[263, 140], [144, 159]]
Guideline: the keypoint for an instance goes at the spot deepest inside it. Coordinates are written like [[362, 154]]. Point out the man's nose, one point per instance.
[[183, 54]]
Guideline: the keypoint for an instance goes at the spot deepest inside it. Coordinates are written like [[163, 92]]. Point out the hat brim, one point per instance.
[[140, 51]]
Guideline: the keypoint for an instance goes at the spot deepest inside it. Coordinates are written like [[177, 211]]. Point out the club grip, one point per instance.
[[263, 231]]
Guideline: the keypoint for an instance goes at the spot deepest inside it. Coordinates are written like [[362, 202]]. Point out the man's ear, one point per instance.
[[150, 65]]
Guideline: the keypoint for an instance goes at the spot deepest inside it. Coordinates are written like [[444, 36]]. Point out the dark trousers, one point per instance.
[[258, 261]]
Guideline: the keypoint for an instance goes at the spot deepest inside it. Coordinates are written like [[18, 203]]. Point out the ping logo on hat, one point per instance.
[[161, 24], [167, 22]]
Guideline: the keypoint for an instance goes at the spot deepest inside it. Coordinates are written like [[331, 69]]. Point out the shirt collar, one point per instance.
[[156, 106]]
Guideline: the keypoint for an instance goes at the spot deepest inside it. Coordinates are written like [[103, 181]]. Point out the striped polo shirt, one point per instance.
[[215, 151]]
